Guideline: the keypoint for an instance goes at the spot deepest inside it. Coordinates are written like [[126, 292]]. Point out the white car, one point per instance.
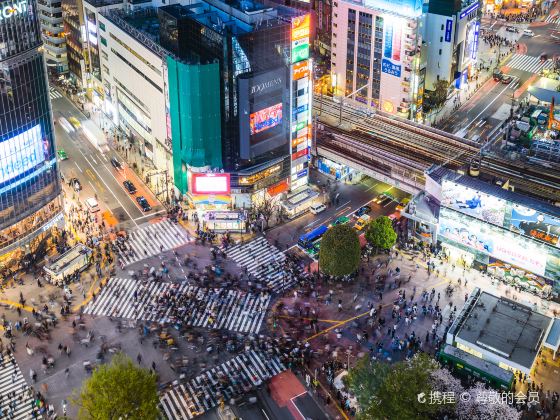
[[528, 32], [317, 208]]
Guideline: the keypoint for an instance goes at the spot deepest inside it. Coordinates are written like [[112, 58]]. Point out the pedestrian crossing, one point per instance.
[[17, 398], [54, 94], [528, 63], [262, 260], [232, 310], [553, 19], [151, 240], [222, 383]]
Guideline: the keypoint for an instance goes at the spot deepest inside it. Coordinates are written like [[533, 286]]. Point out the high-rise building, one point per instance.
[[73, 15], [451, 31], [376, 54], [54, 40], [30, 201]]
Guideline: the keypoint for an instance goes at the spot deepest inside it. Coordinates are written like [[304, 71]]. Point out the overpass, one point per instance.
[[398, 151]]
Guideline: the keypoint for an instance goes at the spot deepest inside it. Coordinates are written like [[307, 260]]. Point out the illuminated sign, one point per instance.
[[468, 11], [535, 225], [300, 38], [261, 87], [402, 7], [12, 9], [448, 30], [251, 179], [390, 68], [265, 118], [210, 183], [299, 154], [301, 70], [21, 153]]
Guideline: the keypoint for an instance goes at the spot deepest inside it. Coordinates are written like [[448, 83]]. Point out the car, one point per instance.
[[75, 183], [92, 205], [340, 221], [378, 198], [314, 250], [386, 200], [62, 155], [512, 29], [143, 203], [129, 186], [497, 75], [317, 208], [116, 164], [362, 210], [400, 206], [528, 32], [74, 121], [506, 79], [362, 222]]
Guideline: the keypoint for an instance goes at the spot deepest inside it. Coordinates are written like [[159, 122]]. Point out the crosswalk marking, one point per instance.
[[235, 377], [553, 19], [54, 94], [12, 380], [264, 261], [528, 63], [198, 307], [152, 239]]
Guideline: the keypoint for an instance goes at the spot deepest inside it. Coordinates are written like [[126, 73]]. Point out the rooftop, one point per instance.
[[503, 327], [440, 173]]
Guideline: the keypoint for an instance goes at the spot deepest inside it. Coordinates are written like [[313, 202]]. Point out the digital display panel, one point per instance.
[[265, 118], [474, 203], [214, 184], [471, 41], [21, 153], [408, 8], [493, 241]]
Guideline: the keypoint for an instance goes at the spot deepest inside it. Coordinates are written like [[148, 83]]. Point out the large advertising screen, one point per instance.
[[408, 8], [494, 241], [471, 41], [392, 48], [21, 153], [214, 184], [535, 225], [474, 203], [265, 118]]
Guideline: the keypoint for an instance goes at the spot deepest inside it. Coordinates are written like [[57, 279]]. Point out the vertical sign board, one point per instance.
[[300, 102], [448, 30]]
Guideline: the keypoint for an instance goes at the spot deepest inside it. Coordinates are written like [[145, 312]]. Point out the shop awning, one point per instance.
[[544, 95], [553, 338]]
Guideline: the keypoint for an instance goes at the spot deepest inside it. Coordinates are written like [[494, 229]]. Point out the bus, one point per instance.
[[306, 241], [469, 366]]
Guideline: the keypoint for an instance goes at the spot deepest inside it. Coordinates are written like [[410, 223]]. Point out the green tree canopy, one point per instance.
[[117, 390], [380, 233], [394, 391], [340, 251]]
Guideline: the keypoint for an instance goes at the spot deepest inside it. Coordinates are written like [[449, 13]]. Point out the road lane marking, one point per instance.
[[90, 174], [79, 169], [92, 186], [94, 160], [343, 205], [487, 106]]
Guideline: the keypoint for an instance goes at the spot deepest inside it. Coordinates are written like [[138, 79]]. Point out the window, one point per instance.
[[101, 26], [442, 27], [440, 39], [103, 41], [440, 51]]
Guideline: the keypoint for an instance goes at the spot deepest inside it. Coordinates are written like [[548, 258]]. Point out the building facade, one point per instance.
[[451, 34], [376, 54], [30, 202], [54, 40], [74, 28]]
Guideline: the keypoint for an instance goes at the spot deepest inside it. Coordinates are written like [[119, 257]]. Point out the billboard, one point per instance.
[[493, 241], [471, 41], [474, 203], [21, 153], [301, 30], [409, 8], [535, 225], [265, 118], [210, 183]]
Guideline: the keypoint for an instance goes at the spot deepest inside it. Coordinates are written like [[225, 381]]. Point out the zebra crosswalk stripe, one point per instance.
[[232, 310], [12, 380], [553, 19], [151, 239], [54, 94], [528, 63], [258, 253], [201, 394]]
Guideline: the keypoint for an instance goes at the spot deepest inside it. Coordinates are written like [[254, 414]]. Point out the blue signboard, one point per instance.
[[388, 67], [468, 10], [302, 173], [448, 30], [388, 47]]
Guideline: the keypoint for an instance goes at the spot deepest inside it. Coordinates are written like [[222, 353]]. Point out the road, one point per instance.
[[94, 170]]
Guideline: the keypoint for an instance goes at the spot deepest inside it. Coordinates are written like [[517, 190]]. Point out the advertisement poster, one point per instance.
[[265, 118], [474, 203], [300, 38], [21, 153], [471, 41], [493, 240], [409, 8], [535, 225]]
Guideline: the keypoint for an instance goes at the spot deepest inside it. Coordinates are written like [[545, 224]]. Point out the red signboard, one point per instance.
[[299, 154], [211, 183]]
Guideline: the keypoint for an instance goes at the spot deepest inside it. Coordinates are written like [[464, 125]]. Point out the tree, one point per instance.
[[436, 98], [395, 391], [118, 390], [340, 251], [380, 233]]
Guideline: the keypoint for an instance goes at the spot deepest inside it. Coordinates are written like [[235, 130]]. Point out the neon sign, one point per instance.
[[12, 9]]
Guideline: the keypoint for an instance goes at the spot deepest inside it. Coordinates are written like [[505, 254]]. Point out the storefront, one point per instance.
[[338, 171], [225, 221]]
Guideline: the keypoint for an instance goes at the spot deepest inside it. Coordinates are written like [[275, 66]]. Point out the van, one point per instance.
[[317, 208], [92, 205], [528, 32], [362, 222]]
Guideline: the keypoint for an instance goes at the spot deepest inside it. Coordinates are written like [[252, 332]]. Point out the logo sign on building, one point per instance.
[[301, 70], [264, 86], [10, 9], [448, 30], [468, 11], [21, 153], [210, 183], [390, 68], [300, 38]]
